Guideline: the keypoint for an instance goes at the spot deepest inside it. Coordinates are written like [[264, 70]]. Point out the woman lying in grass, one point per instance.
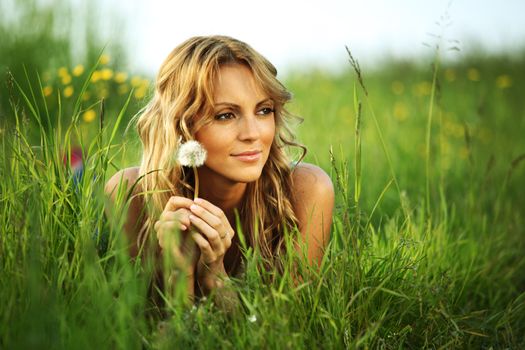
[[221, 93]]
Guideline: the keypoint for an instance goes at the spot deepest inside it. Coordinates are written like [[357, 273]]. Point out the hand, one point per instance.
[[213, 235], [175, 216]]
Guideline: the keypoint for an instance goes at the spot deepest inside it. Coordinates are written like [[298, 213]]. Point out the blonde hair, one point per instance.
[[184, 88]]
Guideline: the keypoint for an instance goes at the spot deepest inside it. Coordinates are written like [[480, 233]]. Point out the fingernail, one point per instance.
[[198, 200], [183, 227], [191, 217], [194, 207]]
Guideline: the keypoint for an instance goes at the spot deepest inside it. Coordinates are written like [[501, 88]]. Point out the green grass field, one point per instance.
[[427, 246]]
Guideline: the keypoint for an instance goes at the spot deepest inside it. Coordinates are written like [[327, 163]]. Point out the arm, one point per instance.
[[313, 205], [213, 235], [118, 188], [123, 181]]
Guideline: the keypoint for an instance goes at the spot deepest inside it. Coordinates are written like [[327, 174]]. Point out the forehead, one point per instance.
[[236, 83]]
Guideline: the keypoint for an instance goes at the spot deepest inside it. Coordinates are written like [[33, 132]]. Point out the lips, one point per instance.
[[248, 156], [247, 153]]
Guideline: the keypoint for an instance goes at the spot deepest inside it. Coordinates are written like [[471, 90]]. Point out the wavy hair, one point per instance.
[[184, 89]]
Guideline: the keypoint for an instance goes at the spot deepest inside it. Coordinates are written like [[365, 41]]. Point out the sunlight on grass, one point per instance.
[[426, 247], [447, 278]]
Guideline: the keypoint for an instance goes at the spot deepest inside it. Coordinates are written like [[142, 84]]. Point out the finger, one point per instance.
[[209, 232], [204, 246], [166, 231], [180, 215], [224, 230], [167, 226], [176, 202], [213, 209], [208, 217]]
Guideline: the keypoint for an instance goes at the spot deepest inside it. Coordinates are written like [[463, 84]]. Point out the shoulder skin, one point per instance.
[[313, 204], [134, 220]]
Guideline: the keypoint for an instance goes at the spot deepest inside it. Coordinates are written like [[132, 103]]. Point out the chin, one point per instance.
[[246, 177]]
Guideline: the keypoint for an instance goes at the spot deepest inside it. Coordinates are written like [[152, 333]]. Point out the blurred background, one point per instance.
[[297, 34], [55, 46], [292, 34]]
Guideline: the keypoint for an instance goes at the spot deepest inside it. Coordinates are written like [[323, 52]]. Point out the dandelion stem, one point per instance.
[[196, 193]]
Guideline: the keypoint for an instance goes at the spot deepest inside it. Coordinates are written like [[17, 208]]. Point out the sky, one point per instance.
[[294, 34]]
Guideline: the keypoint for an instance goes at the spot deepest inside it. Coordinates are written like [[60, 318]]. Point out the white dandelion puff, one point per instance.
[[193, 154]]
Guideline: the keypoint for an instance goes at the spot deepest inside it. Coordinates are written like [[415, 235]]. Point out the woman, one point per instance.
[[220, 92]]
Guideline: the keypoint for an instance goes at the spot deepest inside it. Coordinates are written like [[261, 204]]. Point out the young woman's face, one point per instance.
[[239, 137]]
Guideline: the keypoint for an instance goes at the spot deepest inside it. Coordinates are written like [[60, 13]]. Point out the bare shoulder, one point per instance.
[[313, 202], [311, 182], [122, 183], [126, 177]]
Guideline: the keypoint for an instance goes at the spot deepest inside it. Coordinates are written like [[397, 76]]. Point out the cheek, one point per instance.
[[269, 139], [214, 140], [268, 133]]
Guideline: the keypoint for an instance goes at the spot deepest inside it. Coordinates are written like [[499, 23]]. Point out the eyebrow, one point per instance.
[[235, 106]]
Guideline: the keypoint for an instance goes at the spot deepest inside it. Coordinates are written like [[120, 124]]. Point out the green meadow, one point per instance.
[[427, 247]]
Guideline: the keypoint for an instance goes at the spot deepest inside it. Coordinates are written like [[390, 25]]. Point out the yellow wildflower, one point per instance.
[[62, 71], [104, 59], [89, 115], [136, 81], [95, 76], [398, 87], [446, 148], [103, 92], [47, 90], [140, 93], [68, 91], [400, 111], [66, 79], [46, 76], [503, 81], [473, 74], [78, 70], [123, 89], [422, 89], [121, 77], [106, 74], [450, 74], [452, 128]]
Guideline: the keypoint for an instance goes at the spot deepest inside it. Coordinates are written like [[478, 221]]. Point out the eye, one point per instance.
[[265, 111], [225, 116]]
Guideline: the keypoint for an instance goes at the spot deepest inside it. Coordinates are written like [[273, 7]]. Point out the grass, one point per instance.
[[426, 248]]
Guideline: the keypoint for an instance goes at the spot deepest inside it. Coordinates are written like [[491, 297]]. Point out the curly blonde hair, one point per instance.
[[184, 89]]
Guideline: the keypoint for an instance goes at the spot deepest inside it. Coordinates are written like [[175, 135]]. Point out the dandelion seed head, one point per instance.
[[191, 153]]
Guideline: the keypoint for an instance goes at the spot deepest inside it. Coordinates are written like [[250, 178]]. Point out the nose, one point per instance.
[[249, 128]]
